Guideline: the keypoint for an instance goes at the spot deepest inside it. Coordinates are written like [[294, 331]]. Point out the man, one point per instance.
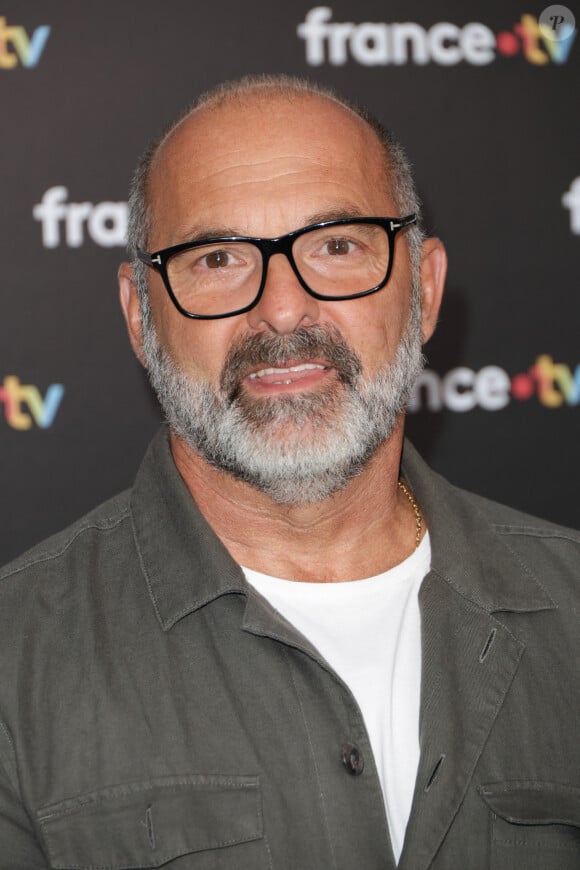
[[291, 645]]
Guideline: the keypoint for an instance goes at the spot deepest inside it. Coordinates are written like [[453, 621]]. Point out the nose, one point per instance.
[[284, 305]]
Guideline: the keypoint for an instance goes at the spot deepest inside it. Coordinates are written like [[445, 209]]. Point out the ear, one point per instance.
[[131, 306], [433, 273]]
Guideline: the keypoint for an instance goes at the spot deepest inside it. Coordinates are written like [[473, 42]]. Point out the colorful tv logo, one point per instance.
[[24, 404], [16, 46], [535, 41]]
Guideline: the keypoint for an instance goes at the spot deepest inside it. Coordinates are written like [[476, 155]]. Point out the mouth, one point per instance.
[[287, 377], [313, 359]]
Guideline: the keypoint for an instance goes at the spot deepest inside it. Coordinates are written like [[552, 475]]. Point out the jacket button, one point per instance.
[[352, 758]]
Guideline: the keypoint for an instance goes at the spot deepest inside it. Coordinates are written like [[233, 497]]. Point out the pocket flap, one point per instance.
[[534, 803], [146, 824]]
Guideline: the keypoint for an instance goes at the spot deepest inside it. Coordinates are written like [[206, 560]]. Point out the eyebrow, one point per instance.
[[335, 214], [198, 233]]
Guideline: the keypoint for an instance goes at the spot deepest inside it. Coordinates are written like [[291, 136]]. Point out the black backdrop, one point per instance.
[[489, 115]]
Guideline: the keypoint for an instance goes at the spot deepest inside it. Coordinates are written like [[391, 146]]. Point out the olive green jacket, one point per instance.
[[156, 711]]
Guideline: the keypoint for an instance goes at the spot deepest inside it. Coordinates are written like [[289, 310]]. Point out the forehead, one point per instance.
[[261, 163]]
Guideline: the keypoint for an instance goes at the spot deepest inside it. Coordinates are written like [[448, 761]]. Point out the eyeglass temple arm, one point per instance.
[[147, 258], [403, 222]]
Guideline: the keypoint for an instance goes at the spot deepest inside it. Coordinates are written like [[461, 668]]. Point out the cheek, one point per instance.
[[198, 347], [374, 331]]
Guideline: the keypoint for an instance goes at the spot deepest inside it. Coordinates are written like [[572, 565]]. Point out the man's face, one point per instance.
[[295, 395]]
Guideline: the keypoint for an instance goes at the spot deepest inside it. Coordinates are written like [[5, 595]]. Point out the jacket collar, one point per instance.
[[467, 547], [186, 566]]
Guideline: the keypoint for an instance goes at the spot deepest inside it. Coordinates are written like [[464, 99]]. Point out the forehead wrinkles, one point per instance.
[[262, 160], [267, 168], [270, 192]]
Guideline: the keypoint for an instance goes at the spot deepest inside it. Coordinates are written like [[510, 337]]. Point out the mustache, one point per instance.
[[304, 344]]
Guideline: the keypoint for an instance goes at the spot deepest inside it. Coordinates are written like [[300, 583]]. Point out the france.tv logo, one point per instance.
[[553, 384], [18, 48], [379, 43]]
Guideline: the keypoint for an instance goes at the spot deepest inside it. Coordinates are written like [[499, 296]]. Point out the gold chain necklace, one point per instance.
[[416, 511]]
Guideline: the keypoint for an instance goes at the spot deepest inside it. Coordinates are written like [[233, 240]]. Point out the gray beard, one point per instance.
[[297, 449]]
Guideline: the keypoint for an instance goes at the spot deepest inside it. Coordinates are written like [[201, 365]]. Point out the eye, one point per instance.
[[338, 247], [217, 259]]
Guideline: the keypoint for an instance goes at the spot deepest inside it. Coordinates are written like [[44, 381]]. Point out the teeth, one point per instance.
[[300, 368]]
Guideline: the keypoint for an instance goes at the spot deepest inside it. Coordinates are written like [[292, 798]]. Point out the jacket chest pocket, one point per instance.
[[534, 825], [197, 822]]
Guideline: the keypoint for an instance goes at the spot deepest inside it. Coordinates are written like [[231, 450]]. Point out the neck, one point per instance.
[[360, 531]]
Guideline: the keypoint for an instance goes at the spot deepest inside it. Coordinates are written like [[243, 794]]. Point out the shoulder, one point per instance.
[[544, 550], [514, 523], [54, 598], [499, 556], [471, 511], [73, 542]]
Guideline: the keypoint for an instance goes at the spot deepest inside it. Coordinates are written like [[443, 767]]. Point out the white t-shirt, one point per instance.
[[369, 632]]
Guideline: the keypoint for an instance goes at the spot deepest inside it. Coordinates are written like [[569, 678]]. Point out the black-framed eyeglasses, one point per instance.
[[333, 260]]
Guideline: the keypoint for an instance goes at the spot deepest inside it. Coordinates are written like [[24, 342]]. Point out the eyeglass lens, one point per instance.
[[332, 261]]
